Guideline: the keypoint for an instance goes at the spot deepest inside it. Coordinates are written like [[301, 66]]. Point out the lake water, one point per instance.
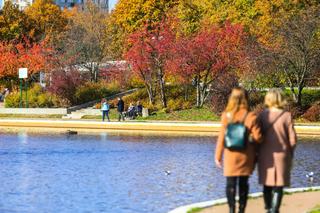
[[118, 174]]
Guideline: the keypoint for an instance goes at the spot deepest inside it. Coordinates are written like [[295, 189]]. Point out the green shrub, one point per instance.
[[112, 87], [37, 98], [175, 105], [91, 91], [12, 100], [309, 96]]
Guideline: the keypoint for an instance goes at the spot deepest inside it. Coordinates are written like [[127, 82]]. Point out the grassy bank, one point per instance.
[[315, 209], [193, 114]]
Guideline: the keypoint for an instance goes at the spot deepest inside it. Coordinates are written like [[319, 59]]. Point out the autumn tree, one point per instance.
[[210, 53], [14, 24], [296, 50], [257, 16], [131, 15], [47, 19], [149, 54], [86, 39], [35, 57], [190, 15]]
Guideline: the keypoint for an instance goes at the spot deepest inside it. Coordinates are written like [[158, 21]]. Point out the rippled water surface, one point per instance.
[[118, 174]]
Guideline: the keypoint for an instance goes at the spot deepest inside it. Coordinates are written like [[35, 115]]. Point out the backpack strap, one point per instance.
[[241, 121], [244, 117]]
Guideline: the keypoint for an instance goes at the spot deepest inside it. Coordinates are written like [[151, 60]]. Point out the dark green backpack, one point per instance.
[[236, 135]]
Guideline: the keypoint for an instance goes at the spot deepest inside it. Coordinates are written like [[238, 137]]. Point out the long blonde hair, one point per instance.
[[238, 99], [275, 98]]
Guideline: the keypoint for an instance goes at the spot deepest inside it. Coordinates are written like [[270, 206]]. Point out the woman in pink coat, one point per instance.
[[276, 150]]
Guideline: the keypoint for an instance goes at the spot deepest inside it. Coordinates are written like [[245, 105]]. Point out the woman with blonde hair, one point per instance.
[[276, 150], [238, 162]]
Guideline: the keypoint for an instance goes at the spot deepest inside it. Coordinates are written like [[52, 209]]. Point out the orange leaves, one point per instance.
[[35, 57]]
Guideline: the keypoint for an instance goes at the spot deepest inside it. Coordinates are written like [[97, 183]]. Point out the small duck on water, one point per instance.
[[72, 132], [310, 176]]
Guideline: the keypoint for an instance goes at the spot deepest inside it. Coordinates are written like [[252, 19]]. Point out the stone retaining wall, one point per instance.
[[34, 111]]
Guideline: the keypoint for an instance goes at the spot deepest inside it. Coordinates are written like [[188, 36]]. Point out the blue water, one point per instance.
[[117, 174]]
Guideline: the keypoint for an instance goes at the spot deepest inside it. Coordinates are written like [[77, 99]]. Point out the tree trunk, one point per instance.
[[186, 92], [204, 95], [299, 95], [198, 94], [294, 95], [162, 88], [150, 94], [96, 72]]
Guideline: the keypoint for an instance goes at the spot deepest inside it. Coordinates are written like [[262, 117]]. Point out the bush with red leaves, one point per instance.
[[64, 84], [313, 113]]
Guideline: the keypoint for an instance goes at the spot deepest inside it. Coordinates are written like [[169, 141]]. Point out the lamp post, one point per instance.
[[23, 74]]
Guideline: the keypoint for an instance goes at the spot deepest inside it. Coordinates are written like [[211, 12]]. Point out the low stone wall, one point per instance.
[[34, 111]]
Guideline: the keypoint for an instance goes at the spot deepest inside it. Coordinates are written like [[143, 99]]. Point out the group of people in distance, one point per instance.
[[132, 112], [271, 143], [4, 94]]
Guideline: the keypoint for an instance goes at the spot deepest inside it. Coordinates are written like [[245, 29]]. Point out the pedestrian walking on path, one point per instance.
[[120, 109], [238, 162], [277, 149], [105, 107]]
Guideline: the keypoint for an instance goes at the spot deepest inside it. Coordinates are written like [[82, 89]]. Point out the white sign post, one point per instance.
[[23, 74]]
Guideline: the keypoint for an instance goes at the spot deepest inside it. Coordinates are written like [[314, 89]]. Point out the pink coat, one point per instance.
[[277, 148]]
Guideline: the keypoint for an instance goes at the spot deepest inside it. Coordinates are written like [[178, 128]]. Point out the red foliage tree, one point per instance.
[[202, 58], [35, 57], [148, 55], [64, 84]]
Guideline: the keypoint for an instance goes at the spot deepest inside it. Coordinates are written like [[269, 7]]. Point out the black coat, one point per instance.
[[120, 106]]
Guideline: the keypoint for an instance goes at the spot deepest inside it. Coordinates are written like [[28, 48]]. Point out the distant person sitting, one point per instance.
[[4, 94], [105, 109], [120, 109], [139, 109], [131, 113]]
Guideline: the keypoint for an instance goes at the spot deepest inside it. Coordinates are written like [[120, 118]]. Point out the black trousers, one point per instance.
[[231, 191], [120, 116]]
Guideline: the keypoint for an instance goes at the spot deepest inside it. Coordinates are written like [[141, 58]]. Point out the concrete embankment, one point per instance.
[[95, 126], [205, 128]]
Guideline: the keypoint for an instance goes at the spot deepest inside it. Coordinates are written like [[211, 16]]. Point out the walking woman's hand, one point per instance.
[[218, 163]]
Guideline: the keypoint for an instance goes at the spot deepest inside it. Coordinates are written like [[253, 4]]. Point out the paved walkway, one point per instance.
[[292, 203]]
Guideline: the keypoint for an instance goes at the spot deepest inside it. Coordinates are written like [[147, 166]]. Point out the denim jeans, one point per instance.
[[105, 113]]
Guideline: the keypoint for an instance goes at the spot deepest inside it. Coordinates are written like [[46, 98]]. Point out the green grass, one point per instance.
[[29, 116], [113, 114], [194, 210], [315, 209], [309, 96], [194, 114]]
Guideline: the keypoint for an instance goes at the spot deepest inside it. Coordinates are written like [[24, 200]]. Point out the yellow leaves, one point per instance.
[[48, 20], [132, 14]]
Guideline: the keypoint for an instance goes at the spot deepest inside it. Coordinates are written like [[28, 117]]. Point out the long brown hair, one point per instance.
[[238, 99]]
